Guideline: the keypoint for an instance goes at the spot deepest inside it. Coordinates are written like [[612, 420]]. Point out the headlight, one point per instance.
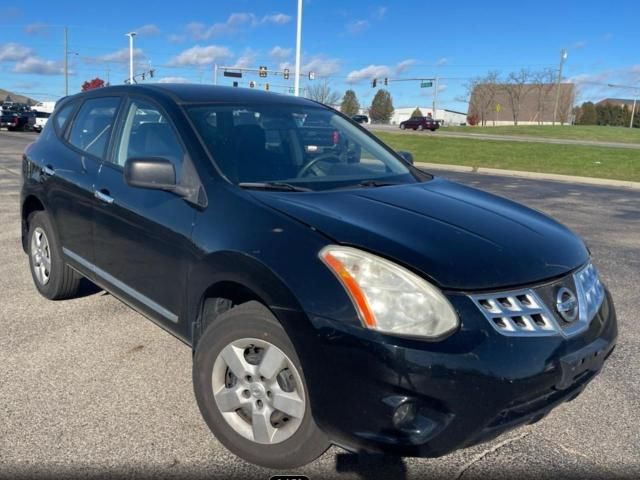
[[388, 297]]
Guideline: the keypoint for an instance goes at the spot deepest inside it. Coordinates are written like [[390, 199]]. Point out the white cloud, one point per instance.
[[37, 28], [320, 65], [175, 38], [579, 45], [276, 18], [173, 80], [120, 56], [200, 55], [378, 71], [13, 52], [357, 26], [38, 66], [246, 60], [380, 12], [200, 31], [279, 53], [148, 29], [441, 62]]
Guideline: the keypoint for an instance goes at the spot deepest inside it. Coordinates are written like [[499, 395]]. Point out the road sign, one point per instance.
[[312, 75], [425, 84], [232, 74], [262, 71], [498, 107]]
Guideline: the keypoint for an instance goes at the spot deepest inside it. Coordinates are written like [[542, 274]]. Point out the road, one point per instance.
[[89, 388], [503, 138]]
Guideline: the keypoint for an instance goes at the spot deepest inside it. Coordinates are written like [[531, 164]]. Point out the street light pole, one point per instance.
[[131, 35], [563, 57], [296, 85], [66, 63]]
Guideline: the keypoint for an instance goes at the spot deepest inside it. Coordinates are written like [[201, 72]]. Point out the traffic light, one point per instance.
[[262, 71], [286, 74], [386, 81], [142, 75], [235, 84], [374, 83], [266, 87], [312, 75], [252, 84], [151, 72]]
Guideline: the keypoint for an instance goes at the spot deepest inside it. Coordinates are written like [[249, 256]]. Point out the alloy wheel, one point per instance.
[[41, 256]]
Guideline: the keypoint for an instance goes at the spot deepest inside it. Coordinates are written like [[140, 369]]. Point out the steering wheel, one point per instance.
[[325, 157]]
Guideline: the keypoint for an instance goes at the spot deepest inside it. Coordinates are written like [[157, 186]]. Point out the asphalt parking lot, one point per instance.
[[89, 388]]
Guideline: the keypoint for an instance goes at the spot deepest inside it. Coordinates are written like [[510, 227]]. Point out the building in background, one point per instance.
[[520, 104], [617, 102], [444, 116]]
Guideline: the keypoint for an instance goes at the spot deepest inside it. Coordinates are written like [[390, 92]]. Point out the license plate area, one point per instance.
[[589, 358]]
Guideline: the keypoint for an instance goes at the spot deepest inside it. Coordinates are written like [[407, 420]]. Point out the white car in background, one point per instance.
[[41, 121]]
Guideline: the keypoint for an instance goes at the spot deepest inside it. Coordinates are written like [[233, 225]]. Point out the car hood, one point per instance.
[[458, 237]]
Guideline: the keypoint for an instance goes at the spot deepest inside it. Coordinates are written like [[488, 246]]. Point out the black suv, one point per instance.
[[331, 292], [14, 120], [420, 123]]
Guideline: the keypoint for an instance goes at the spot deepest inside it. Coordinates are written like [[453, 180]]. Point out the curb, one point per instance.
[[603, 182]]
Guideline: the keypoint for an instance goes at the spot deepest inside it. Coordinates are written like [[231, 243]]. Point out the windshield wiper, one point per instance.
[[376, 183], [281, 186]]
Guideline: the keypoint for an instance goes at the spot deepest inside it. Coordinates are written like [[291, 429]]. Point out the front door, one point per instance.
[[142, 236]]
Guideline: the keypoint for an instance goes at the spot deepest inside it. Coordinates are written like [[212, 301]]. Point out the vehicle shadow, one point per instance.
[[87, 288], [372, 466]]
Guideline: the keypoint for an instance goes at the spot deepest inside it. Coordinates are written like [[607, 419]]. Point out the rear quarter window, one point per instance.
[[61, 116]]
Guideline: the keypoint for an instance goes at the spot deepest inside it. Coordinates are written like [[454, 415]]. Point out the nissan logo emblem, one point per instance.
[[567, 305]]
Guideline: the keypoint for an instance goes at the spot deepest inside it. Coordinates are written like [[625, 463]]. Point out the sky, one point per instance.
[[345, 43]]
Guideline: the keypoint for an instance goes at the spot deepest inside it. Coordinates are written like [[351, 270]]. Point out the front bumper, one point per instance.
[[464, 390]]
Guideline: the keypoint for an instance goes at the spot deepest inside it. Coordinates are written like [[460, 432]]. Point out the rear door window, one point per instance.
[[93, 124]]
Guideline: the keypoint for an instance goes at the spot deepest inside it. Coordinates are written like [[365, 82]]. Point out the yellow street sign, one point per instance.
[[498, 107]]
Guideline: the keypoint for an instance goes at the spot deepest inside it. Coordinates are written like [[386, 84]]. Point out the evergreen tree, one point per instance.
[[381, 107], [350, 105], [588, 114], [417, 113]]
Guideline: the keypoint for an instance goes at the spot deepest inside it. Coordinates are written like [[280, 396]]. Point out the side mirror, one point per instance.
[[153, 172], [407, 156]]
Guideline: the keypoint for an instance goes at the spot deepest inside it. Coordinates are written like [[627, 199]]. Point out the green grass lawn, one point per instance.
[[570, 132], [601, 162]]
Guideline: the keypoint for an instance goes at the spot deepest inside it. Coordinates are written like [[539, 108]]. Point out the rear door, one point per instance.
[[143, 236], [71, 166]]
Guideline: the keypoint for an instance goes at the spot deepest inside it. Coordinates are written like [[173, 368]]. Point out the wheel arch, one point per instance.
[[30, 204], [238, 278]]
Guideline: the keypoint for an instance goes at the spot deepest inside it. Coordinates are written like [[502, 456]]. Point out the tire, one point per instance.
[[58, 281], [297, 440], [420, 127], [402, 126], [432, 129]]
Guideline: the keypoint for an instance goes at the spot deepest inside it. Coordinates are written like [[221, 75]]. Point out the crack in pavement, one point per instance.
[[488, 451]]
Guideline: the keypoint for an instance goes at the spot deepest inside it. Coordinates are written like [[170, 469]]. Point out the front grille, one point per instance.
[[532, 311]]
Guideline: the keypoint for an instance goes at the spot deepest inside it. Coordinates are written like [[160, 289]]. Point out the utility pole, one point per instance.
[[66, 63], [131, 35], [435, 97], [296, 85], [563, 57]]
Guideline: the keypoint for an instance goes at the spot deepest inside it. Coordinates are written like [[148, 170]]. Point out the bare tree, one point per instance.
[[542, 85], [482, 94], [565, 103], [517, 87], [322, 92]]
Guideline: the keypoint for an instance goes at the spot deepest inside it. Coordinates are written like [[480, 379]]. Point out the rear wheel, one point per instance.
[[52, 277], [251, 390], [420, 127]]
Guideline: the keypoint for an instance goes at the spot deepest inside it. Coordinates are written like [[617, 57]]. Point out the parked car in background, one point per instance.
[[360, 118], [420, 123], [41, 120], [17, 120], [330, 291]]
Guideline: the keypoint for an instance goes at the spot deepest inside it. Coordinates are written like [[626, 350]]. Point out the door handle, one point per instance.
[[103, 197], [47, 170]]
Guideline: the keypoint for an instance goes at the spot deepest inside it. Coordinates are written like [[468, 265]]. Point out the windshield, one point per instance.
[[309, 147]]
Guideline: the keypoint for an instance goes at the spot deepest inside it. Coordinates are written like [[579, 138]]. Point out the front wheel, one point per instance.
[[251, 390], [402, 126], [420, 127]]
